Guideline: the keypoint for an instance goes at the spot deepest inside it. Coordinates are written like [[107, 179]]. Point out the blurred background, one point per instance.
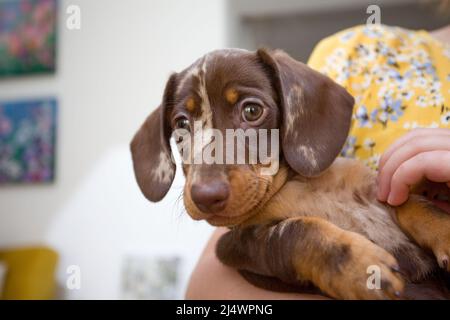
[[77, 78]]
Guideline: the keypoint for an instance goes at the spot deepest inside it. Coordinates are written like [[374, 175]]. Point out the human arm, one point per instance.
[[213, 280]]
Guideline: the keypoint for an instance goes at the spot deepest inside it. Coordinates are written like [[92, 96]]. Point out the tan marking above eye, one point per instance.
[[190, 104], [231, 95]]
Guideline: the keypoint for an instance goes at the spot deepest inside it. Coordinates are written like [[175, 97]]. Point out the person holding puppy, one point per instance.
[[401, 127]]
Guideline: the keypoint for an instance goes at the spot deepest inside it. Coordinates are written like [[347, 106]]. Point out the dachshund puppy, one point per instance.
[[315, 222]]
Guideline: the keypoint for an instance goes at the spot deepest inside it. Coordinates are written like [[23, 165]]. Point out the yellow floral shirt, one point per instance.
[[400, 80]]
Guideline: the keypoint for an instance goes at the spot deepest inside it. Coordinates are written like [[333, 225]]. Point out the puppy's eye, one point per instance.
[[252, 112], [182, 123]]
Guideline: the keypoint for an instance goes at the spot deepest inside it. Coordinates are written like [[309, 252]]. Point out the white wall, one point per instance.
[[110, 75]]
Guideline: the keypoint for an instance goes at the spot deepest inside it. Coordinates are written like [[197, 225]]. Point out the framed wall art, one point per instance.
[[27, 141], [27, 37]]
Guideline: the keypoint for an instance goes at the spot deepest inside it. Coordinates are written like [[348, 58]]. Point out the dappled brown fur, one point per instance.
[[314, 223]]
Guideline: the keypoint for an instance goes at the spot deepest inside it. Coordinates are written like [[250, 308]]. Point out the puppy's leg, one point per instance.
[[428, 225], [309, 249]]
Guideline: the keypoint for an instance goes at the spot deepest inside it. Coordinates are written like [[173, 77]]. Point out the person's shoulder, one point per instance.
[[341, 41], [360, 44], [348, 39]]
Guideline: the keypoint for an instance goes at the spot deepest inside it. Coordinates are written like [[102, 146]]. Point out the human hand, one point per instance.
[[421, 153]]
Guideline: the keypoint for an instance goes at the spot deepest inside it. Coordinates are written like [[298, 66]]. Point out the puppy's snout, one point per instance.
[[211, 196]]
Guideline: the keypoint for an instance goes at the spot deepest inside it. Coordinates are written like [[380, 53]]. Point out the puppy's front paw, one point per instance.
[[428, 225], [438, 239], [369, 273], [442, 257], [433, 232], [439, 243]]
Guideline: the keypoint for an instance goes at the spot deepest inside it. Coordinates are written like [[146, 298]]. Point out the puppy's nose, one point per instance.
[[210, 197]]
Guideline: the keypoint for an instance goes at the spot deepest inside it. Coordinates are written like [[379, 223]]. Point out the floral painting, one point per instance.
[[27, 141], [27, 36]]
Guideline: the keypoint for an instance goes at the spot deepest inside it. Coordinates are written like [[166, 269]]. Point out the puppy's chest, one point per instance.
[[344, 196]]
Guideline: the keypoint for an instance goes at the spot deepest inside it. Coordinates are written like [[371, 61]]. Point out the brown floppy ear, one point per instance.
[[316, 113], [153, 164]]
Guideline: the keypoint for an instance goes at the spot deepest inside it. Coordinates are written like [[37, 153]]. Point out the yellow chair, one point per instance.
[[30, 273]]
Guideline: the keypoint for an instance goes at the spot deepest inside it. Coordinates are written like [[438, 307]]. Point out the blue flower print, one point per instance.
[[362, 117]]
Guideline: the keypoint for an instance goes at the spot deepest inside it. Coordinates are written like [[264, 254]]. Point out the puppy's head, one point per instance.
[[236, 89]]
